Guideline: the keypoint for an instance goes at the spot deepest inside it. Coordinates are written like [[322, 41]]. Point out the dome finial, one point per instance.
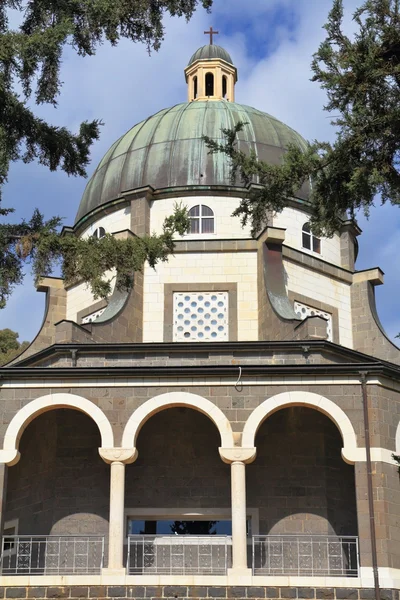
[[211, 33]]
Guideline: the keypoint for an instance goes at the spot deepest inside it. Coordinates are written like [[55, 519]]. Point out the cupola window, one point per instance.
[[209, 84], [224, 86], [309, 240], [99, 233], [201, 219], [195, 87]]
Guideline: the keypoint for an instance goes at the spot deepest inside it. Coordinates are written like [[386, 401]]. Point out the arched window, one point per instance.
[[224, 86], [201, 219], [99, 233], [310, 241], [195, 87], [209, 84]]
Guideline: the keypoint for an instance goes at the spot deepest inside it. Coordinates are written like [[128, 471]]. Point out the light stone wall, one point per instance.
[[225, 226], [324, 289], [116, 221], [293, 220], [207, 267], [80, 297]]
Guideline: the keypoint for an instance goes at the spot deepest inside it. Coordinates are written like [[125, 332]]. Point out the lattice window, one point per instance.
[[201, 317], [93, 316], [308, 311]]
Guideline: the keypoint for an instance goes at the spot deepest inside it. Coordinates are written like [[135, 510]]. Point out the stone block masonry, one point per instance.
[[123, 592]]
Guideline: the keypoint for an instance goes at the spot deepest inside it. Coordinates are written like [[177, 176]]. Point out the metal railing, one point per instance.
[[179, 554], [311, 555], [52, 554]]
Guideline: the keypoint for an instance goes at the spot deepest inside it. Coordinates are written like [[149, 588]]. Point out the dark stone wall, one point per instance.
[[60, 485], [178, 464], [299, 481]]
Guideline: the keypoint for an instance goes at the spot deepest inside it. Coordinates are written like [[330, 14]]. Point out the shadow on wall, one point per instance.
[[299, 481], [60, 485], [178, 464]]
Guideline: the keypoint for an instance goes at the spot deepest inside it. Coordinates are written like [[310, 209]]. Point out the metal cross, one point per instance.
[[211, 33]]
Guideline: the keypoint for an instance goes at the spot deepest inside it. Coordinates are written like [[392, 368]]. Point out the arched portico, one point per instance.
[[176, 399], [300, 398], [10, 455]]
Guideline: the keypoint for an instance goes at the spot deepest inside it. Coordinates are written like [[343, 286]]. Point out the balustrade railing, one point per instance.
[[52, 555], [308, 555], [179, 554]]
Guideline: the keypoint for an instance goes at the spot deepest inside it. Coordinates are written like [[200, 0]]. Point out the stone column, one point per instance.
[[117, 458], [237, 458]]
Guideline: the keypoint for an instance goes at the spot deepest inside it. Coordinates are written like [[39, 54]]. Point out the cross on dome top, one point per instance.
[[211, 33]]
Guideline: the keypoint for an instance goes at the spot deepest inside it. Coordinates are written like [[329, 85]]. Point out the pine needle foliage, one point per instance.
[[30, 61], [84, 260], [361, 76]]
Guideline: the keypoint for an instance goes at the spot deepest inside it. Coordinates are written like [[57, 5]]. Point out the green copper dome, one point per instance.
[[209, 52], [166, 150]]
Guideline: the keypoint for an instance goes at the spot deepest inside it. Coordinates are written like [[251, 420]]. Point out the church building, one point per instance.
[[227, 427]]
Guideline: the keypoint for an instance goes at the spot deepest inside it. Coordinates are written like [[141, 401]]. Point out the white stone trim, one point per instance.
[[41, 405], [149, 381], [171, 400], [398, 439], [388, 577], [320, 403]]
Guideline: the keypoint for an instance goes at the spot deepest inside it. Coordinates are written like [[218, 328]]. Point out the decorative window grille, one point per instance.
[[201, 219], [201, 317], [308, 311], [310, 241], [93, 316]]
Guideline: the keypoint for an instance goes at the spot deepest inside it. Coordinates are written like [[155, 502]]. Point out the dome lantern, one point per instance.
[[210, 74]]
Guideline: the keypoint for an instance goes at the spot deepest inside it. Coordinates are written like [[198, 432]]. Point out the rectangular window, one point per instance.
[[306, 241], [200, 316], [173, 527]]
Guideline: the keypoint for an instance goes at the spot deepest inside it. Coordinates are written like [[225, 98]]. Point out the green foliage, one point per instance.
[[10, 346], [81, 260], [31, 56], [362, 80], [396, 458], [30, 60]]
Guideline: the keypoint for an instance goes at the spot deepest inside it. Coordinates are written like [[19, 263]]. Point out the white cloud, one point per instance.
[[124, 85]]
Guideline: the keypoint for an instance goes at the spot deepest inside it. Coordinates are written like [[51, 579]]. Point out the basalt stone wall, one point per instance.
[[178, 464], [299, 482], [60, 485], [123, 592]]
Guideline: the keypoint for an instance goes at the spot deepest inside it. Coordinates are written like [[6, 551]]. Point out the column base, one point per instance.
[[113, 572], [240, 572]]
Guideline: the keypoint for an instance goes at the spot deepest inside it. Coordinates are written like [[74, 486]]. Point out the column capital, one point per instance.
[[230, 455], [122, 455], [9, 457]]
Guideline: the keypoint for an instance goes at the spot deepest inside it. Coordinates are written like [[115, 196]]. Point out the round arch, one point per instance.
[[398, 439], [350, 452], [10, 455], [172, 400]]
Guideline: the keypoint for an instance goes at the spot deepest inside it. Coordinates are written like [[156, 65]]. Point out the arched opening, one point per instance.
[[302, 486], [209, 84], [57, 500], [60, 484], [178, 485], [224, 86], [195, 86]]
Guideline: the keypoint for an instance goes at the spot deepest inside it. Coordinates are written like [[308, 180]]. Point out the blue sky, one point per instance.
[[271, 42]]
